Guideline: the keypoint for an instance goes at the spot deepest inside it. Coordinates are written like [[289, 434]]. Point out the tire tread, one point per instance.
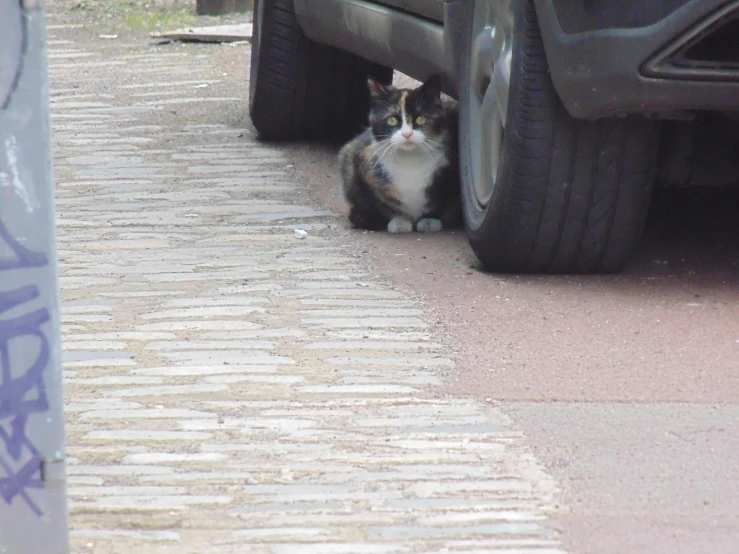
[[572, 195], [307, 90]]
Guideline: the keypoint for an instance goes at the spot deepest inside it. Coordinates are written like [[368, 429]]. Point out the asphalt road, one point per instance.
[[626, 385]]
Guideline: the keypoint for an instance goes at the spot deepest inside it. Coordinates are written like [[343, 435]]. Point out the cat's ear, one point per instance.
[[376, 89], [430, 91]]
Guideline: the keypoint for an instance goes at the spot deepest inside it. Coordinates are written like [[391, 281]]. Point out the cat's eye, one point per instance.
[[392, 120], [420, 120]]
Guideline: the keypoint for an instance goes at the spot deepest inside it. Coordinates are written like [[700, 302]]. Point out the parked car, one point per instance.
[[568, 108]]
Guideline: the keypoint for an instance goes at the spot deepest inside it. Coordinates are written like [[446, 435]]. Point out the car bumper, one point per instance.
[[600, 72]]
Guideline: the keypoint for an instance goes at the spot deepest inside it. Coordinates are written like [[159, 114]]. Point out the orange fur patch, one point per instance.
[[403, 98]]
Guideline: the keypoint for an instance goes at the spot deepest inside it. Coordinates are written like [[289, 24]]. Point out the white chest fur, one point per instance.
[[412, 172]]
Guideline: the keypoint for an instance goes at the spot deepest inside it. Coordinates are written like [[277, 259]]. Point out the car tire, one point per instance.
[[563, 195], [300, 89]]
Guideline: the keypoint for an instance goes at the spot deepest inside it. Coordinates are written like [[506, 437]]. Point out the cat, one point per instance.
[[402, 172]]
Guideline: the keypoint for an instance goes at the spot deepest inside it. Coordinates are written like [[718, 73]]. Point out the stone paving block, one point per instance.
[[91, 405], [155, 413], [198, 325], [182, 371], [142, 536], [169, 390], [203, 357], [113, 380], [230, 379], [166, 457], [141, 436], [147, 503], [112, 470], [211, 345], [347, 548], [357, 302], [357, 389], [365, 322], [492, 529], [124, 491], [371, 345]]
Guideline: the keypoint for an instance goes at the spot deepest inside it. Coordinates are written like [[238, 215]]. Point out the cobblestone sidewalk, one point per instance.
[[228, 387]]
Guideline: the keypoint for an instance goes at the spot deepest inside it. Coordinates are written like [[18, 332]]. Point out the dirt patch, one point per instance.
[[135, 19]]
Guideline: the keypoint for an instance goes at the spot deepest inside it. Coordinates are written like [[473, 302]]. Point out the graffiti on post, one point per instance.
[[24, 343], [22, 390], [14, 46]]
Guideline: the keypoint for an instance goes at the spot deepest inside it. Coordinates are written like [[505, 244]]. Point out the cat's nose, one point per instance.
[[407, 134]]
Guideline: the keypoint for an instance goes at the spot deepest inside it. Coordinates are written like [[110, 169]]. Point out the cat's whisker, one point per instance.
[[380, 145], [393, 152], [380, 155], [428, 149], [437, 144], [388, 152], [432, 150], [441, 139], [432, 143], [381, 148]]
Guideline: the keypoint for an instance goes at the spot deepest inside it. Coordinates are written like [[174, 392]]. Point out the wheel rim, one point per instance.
[[490, 77], [256, 43]]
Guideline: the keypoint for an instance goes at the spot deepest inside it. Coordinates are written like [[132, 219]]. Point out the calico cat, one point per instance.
[[402, 172]]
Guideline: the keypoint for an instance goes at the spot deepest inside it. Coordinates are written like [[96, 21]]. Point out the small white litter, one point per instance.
[[300, 234], [202, 85]]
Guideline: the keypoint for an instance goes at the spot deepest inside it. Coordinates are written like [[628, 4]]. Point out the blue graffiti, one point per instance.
[[22, 390]]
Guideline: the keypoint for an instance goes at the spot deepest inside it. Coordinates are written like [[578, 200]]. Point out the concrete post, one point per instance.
[[33, 507]]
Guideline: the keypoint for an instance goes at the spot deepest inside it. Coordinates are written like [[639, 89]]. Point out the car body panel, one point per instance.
[[592, 15], [597, 73], [601, 73], [394, 38], [431, 9]]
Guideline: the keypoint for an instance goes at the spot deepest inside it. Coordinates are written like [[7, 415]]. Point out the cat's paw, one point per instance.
[[400, 225], [429, 225]]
